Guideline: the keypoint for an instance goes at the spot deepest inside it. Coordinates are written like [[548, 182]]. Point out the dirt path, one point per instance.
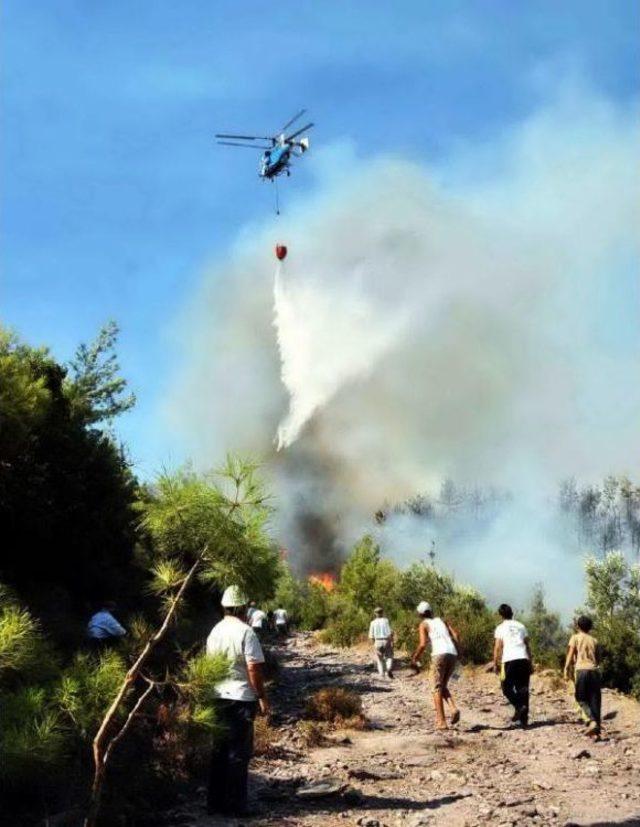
[[401, 772]]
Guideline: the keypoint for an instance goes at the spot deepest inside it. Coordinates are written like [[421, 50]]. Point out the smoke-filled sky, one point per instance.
[[461, 294], [114, 198], [476, 319]]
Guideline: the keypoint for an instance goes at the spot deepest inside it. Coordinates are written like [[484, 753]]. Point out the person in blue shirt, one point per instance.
[[103, 628]]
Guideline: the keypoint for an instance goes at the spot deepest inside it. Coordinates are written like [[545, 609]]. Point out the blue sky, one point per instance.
[[115, 196]]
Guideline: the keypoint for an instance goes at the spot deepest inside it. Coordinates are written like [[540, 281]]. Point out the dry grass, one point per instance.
[[336, 705], [312, 733], [555, 681], [264, 736]]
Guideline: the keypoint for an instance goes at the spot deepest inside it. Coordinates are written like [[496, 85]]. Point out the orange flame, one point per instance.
[[324, 579]]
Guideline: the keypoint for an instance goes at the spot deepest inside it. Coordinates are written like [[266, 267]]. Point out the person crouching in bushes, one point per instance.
[[582, 657], [444, 655]]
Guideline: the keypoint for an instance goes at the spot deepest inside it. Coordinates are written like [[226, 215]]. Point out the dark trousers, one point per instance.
[[232, 751], [515, 682], [589, 693]]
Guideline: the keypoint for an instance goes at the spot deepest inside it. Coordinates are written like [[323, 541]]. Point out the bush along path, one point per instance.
[[395, 769]]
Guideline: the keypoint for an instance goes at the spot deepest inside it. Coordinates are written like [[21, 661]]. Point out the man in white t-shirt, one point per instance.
[[382, 636], [281, 619], [258, 622], [512, 661], [235, 705]]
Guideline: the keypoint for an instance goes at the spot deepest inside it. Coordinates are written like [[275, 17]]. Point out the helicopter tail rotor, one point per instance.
[[303, 143]]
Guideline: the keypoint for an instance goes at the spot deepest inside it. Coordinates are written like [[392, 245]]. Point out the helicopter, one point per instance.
[[277, 155]]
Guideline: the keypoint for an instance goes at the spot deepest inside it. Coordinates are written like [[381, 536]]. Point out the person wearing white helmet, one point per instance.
[[444, 643], [236, 700]]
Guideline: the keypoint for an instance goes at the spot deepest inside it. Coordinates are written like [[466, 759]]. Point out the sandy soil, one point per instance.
[[399, 771]]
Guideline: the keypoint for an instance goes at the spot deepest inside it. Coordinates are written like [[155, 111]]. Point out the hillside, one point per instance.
[[399, 771]]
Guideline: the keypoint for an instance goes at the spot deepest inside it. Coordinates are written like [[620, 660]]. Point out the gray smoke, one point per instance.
[[473, 321]]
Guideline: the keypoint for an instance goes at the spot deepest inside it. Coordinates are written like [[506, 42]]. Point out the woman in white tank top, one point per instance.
[[444, 654]]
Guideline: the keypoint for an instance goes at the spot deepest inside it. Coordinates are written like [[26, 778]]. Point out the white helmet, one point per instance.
[[233, 597], [422, 607]]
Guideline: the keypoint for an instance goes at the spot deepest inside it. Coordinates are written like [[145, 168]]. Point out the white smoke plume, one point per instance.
[[473, 321]]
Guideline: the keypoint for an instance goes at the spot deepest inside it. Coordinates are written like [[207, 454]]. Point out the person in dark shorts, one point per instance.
[[435, 631], [513, 662], [582, 657]]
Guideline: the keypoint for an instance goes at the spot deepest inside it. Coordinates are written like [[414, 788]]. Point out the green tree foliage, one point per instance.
[[613, 597], [424, 582], [32, 739], [19, 636], [219, 517], [289, 595], [199, 528], [95, 390], [86, 689], [366, 580], [547, 636], [316, 606], [66, 492], [469, 614]]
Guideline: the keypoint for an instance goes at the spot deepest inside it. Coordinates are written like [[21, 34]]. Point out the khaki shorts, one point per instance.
[[442, 667]]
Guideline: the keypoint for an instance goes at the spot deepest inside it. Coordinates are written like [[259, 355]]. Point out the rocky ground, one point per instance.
[[399, 771]]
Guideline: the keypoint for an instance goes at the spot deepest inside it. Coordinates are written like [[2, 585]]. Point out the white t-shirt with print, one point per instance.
[[512, 633], [239, 643], [280, 616]]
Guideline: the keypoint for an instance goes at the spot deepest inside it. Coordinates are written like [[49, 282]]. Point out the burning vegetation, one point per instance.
[[324, 579]]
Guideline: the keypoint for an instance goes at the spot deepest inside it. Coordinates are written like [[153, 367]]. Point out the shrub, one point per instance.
[[316, 607], [366, 581], [423, 582], [547, 637], [334, 704], [264, 736], [348, 625], [613, 597], [620, 654], [468, 614], [87, 688], [312, 733], [405, 630], [289, 595], [32, 740]]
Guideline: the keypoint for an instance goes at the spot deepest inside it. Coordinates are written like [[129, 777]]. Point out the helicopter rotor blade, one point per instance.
[[293, 120], [246, 137], [246, 146], [299, 132]]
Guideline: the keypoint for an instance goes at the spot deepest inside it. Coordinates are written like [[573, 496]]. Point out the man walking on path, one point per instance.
[[382, 636], [281, 620], [582, 657], [258, 622], [235, 705], [513, 662], [444, 655]]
